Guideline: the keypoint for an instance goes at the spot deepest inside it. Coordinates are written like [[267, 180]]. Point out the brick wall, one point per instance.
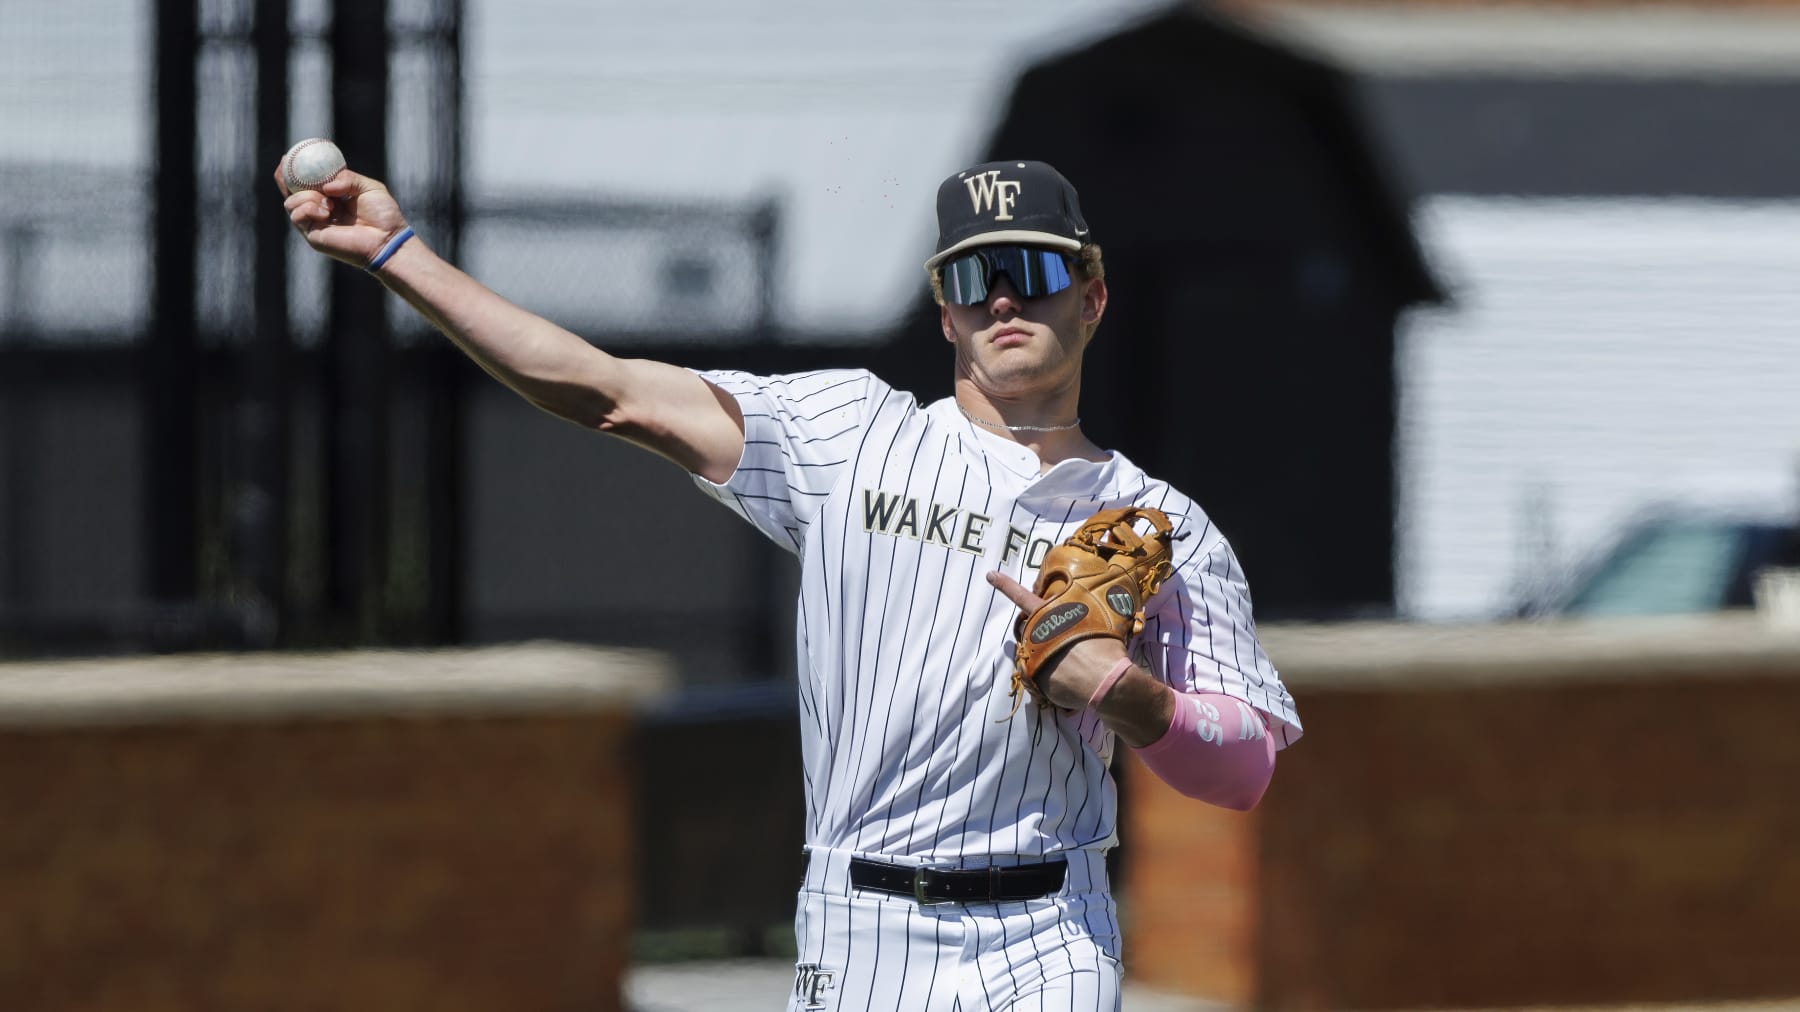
[[1575, 831], [445, 861]]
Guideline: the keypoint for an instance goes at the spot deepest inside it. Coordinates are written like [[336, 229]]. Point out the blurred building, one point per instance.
[[1607, 193], [1611, 196]]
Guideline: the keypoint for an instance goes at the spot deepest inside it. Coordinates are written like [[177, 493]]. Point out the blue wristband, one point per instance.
[[389, 249]]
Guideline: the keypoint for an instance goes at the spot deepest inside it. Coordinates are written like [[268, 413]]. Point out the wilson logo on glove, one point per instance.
[[1062, 616]]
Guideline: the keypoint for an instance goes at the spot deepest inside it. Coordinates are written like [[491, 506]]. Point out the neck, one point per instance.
[[1051, 429], [1004, 427]]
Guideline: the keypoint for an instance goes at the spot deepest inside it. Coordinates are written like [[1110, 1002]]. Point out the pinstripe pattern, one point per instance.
[[897, 512]]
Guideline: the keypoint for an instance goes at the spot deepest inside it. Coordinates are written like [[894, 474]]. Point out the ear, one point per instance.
[[944, 323], [1093, 302]]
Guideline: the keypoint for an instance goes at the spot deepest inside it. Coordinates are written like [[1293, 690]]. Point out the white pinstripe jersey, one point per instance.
[[897, 512]]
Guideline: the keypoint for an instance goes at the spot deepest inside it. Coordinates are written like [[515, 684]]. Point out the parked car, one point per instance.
[[1671, 563]]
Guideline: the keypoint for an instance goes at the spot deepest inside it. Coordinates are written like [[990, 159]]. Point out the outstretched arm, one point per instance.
[[655, 405]]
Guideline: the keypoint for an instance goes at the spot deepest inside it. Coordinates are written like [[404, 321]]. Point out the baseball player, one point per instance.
[[958, 559]]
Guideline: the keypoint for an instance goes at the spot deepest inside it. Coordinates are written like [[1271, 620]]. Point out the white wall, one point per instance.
[[1602, 355]]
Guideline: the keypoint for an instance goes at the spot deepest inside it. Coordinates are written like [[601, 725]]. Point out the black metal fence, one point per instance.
[[212, 438]]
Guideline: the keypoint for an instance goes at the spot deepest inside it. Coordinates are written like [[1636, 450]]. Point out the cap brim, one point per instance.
[[1013, 237]]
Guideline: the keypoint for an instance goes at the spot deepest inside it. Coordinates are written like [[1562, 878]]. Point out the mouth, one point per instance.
[[1008, 337]]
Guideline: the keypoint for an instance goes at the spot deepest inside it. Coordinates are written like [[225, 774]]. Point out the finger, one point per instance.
[[1015, 592], [313, 209], [349, 184], [308, 204]]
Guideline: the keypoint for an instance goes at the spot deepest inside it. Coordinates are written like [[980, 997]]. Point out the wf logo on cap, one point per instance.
[[988, 191], [1018, 203]]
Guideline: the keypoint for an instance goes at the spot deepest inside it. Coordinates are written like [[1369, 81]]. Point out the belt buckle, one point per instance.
[[918, 884]]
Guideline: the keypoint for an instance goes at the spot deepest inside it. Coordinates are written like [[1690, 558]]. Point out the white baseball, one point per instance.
[[310, 163]]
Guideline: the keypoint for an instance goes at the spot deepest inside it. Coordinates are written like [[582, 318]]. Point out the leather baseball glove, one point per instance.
[[1093, 584]]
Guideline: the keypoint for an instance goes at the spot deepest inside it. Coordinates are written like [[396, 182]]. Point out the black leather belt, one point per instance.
[[974, 885]]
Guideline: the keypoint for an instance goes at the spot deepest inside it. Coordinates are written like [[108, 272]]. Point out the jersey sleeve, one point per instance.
[[1199, 636], [801, 434]]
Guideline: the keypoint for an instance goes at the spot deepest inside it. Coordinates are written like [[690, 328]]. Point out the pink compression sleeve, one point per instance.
[[1217, 750]]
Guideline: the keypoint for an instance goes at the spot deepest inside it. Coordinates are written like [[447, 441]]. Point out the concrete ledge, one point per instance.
[[1422, 656], [529, 678]]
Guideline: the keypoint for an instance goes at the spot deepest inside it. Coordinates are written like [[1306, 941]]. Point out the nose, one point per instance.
[[1002, 297]]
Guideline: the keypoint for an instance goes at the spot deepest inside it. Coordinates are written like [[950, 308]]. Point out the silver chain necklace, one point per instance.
[[1019, 428]]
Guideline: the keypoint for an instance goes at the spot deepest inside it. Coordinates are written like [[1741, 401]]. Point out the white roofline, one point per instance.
[[1639, 41]]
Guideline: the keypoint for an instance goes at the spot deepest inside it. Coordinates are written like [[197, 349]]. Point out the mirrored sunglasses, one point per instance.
[[1033, 273]]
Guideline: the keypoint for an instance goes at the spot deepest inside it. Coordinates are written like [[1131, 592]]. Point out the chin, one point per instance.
[[1020, 382]]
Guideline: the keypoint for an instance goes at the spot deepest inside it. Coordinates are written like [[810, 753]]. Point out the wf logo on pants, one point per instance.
[[811, 981]]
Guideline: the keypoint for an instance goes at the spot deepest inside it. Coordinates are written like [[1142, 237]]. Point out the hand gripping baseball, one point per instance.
[[1093, 584], [348, 218]]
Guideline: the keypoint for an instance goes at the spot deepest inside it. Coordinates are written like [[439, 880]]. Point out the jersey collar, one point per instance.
[[1071, 480]]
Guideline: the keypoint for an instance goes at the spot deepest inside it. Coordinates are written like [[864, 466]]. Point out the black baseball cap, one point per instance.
[[1026, 203]]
